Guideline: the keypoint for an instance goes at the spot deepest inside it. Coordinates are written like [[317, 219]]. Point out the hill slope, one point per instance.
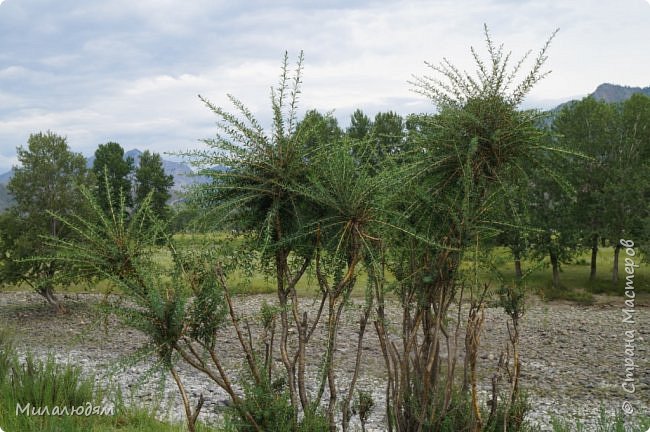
[[616, 93]]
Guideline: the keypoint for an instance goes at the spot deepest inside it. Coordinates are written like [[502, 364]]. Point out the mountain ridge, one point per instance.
[[613, 93]]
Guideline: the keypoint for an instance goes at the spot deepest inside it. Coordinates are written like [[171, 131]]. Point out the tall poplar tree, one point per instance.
[[150, 177], [112, 169]]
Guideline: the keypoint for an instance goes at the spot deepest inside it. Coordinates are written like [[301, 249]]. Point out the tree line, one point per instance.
[[603, 198], [46, 186]]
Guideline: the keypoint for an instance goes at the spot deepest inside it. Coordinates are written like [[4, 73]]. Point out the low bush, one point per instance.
[[270, 405], [605, 423]]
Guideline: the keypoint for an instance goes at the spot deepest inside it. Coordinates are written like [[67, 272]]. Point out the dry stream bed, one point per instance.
[[573, 357]]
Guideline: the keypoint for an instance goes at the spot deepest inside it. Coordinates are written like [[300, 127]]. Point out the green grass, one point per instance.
[[45, 383], [574, 277], [604, 423]]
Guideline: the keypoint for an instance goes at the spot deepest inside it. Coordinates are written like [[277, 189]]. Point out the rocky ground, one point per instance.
[[573, 357]]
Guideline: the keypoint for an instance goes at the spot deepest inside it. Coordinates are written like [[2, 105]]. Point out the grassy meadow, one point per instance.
[[574, 276]]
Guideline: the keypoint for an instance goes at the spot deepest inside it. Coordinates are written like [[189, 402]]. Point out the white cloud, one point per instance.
[[131, 71]]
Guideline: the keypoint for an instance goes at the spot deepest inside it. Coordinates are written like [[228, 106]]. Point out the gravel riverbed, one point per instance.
[[573, 357]]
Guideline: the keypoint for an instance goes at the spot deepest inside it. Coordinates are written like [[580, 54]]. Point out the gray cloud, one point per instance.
[[130, 71]]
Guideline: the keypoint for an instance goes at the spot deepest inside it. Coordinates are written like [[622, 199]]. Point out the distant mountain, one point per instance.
[[615, 93], [610, 93]]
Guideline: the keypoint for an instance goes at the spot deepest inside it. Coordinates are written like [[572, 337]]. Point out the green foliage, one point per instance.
[[589, 126], [360, 125], [119, 248], [375, 142], [15, 245], [466, 165], [575, 277], [316, 129], [299, 196], [108, 243], [550, 293], [208, 309], [7, 353], [469, 161], [604, 423], [44, 184], [150, 178], [42, 383], [348, 200], [183, 217], [6, 200], [387, 133], [363, 406], [46, 178], [109, 163], [268, 314], [113, 246], [459, 416], [254, 192], [632, 168], [492, 79], [47, 383], [313, 422], [613, 179], [270, 405], [421, 194], [512, 419]]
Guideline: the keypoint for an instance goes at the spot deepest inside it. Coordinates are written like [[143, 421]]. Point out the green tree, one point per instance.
[[150, 177], [554, 213], [184, 217], [113, 172], [463, 165], [360, 125], [635, 117], [590, 127], [627, 186], [257, 193], [375, 141], [515, 233], [387, 133], [316, 129], [299, 197], [44, 184], [611, 182]]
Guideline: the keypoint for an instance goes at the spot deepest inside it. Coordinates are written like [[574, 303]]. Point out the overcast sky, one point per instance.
[[130, 70]]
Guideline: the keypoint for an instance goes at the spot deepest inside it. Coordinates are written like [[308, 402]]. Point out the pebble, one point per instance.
[[572, 356]]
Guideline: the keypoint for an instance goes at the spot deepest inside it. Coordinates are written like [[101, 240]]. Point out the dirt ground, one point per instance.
[[573, 357]]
